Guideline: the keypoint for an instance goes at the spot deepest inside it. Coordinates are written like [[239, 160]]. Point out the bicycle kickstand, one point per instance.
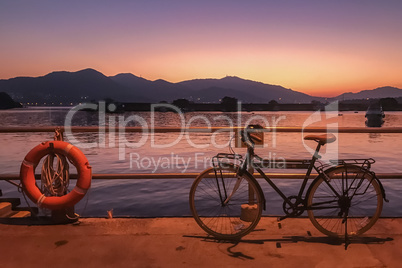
[[347, 240]]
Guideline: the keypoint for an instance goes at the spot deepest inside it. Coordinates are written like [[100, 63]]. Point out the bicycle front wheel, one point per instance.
[[346, 200], [224, 204]]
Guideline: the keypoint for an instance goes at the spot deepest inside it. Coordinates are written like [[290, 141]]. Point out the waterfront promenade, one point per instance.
[[179, 242]]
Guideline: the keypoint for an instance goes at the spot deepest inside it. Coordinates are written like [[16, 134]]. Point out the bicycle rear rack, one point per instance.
[[362, 163]]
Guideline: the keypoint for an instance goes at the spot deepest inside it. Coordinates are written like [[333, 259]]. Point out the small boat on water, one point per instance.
[[374, 116]]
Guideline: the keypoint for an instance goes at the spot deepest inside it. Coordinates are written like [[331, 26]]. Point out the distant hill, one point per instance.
[[378, 93], [91, 85], [211, 90], [247, 90], [62, 87], [6, 102]]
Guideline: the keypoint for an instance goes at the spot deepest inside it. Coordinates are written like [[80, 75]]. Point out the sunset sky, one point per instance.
[[321, 47]]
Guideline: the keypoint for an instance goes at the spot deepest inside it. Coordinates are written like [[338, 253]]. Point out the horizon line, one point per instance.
[[206, 78]]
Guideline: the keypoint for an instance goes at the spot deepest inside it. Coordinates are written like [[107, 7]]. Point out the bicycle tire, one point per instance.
[[360, 188], [226, 221]]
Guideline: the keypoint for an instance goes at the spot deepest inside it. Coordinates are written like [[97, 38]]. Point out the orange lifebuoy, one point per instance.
[[27, 175]]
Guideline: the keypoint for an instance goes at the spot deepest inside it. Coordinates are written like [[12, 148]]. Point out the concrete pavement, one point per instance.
[[179, 242]]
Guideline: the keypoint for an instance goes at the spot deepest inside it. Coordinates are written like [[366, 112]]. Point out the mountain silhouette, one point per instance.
[[212, 90], [249, 91], [6, 102], [62, 87], [90, 85], [381, 92]]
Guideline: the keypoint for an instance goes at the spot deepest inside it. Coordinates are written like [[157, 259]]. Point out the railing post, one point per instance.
[[249, 210]]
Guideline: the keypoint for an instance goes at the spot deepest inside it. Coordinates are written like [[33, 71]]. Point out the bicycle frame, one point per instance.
[[250, 163], [309, 165]]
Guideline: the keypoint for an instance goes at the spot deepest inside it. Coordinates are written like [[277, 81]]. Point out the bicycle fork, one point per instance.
[[235, 188], [223, 194]]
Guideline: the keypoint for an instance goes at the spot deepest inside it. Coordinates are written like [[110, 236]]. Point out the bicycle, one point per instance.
[[344, 199]]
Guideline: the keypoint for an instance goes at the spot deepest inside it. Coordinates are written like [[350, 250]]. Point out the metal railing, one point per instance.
[[200, 129], [188, 175]]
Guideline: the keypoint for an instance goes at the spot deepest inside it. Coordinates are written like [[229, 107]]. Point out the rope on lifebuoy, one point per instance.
[[55, 180], [55, 175]]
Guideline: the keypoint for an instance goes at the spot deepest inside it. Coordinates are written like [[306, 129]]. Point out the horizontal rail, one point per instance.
[[199, 129], [138, 176]]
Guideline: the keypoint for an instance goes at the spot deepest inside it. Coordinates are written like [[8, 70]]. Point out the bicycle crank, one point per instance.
[[296, 208]]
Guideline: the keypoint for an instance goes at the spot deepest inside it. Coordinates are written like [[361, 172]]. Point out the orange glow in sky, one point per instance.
[[321, 48]]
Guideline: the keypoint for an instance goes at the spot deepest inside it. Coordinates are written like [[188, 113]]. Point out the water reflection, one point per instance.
[[392, 119], [374, 138], [56, 117]]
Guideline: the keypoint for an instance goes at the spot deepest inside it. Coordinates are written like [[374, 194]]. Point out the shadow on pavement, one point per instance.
[[291, 239]]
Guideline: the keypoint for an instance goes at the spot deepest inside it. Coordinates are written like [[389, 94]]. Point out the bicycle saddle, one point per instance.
[[322, 139]]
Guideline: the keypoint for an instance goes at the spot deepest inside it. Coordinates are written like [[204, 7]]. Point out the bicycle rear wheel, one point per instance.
[[224, 204], [348, 200]]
